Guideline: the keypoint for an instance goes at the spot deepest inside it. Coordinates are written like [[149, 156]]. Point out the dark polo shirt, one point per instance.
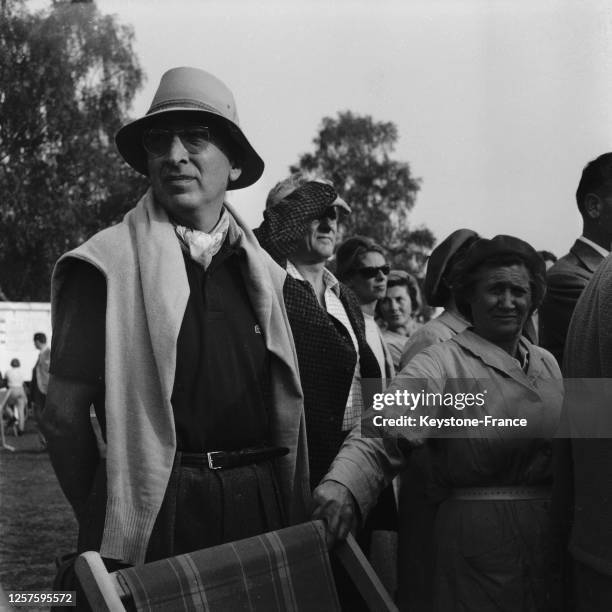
[[221, 385]]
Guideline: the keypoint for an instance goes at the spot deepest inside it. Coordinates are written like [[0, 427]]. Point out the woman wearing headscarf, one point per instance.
[[493, 455]]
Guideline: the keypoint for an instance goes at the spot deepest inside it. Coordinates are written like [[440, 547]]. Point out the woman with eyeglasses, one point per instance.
[[362, 266]]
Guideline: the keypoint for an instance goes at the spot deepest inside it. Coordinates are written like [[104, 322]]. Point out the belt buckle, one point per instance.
[[211, 460]]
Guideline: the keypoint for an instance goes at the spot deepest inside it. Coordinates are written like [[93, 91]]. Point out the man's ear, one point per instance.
[[592, 205], [235, 172]]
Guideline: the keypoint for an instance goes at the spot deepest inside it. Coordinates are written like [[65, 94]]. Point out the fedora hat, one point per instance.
[[441, 261], [295, 181], [192, 91]]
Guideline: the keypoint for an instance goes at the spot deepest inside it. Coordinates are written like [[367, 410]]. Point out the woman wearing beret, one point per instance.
[[491, 454], [436, 289]]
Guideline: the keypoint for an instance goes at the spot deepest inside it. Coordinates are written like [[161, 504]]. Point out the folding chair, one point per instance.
[[284, 571]]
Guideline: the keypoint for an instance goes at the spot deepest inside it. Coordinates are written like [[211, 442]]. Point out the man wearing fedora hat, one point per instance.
[[299, 231], [172, 324], [337, 366]]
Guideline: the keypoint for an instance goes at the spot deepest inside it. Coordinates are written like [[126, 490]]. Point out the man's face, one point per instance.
[[318, 243], [415, 262], [189, 170]]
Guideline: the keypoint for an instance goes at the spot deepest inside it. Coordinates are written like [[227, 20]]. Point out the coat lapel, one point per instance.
[[588, 257]]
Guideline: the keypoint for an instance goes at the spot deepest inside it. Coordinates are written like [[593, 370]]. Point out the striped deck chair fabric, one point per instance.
[[286, 570]]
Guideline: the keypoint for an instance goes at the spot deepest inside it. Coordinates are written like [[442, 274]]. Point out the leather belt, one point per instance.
[[223, 460], [507, 493]]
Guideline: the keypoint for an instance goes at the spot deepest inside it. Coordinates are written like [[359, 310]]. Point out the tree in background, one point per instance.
[[354, 151], [67, 79]]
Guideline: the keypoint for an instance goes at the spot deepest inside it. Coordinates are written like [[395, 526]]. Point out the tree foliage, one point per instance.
[[354, 152], [67, 79]]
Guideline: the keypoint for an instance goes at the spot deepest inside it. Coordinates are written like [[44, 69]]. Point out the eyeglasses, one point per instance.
[[372, 271], [157, 142]]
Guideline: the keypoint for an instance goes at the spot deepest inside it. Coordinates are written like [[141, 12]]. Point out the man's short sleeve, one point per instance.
[[78, 345]]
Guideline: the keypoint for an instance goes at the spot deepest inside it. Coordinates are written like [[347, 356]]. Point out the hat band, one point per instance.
[[183, 104]]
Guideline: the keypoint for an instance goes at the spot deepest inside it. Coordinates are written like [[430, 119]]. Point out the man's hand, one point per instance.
[[336, 506]]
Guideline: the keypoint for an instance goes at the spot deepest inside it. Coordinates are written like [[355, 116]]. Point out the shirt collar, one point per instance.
[[595, 246], [329, 280]]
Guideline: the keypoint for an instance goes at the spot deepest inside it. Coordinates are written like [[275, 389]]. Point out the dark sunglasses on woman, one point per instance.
[[372, 271]]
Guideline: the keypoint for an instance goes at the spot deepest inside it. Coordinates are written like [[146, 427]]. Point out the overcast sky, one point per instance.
[[499, 105]]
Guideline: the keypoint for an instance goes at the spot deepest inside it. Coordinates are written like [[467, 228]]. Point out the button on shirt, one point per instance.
[[335, 308]]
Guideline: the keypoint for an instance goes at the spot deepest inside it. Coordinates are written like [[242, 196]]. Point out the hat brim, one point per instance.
[[340, 203], [129, 143]]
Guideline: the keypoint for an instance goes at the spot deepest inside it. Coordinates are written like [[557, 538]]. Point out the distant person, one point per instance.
[[40, 380], [17, 399], [549, 260], [416, 257], [568, 277], [399, 310], [361, 265]]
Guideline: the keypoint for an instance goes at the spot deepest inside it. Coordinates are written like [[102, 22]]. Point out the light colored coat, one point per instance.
[[366, 464], [487, 554]]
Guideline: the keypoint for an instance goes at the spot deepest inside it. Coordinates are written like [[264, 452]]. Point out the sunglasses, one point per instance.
[[330, 213], [157, 142], [372, 271]]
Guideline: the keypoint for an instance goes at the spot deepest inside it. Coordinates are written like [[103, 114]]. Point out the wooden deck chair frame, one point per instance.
[[4, 398], [103, 590]]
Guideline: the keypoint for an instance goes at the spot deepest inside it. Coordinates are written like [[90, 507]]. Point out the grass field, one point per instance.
[[36, 521]]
